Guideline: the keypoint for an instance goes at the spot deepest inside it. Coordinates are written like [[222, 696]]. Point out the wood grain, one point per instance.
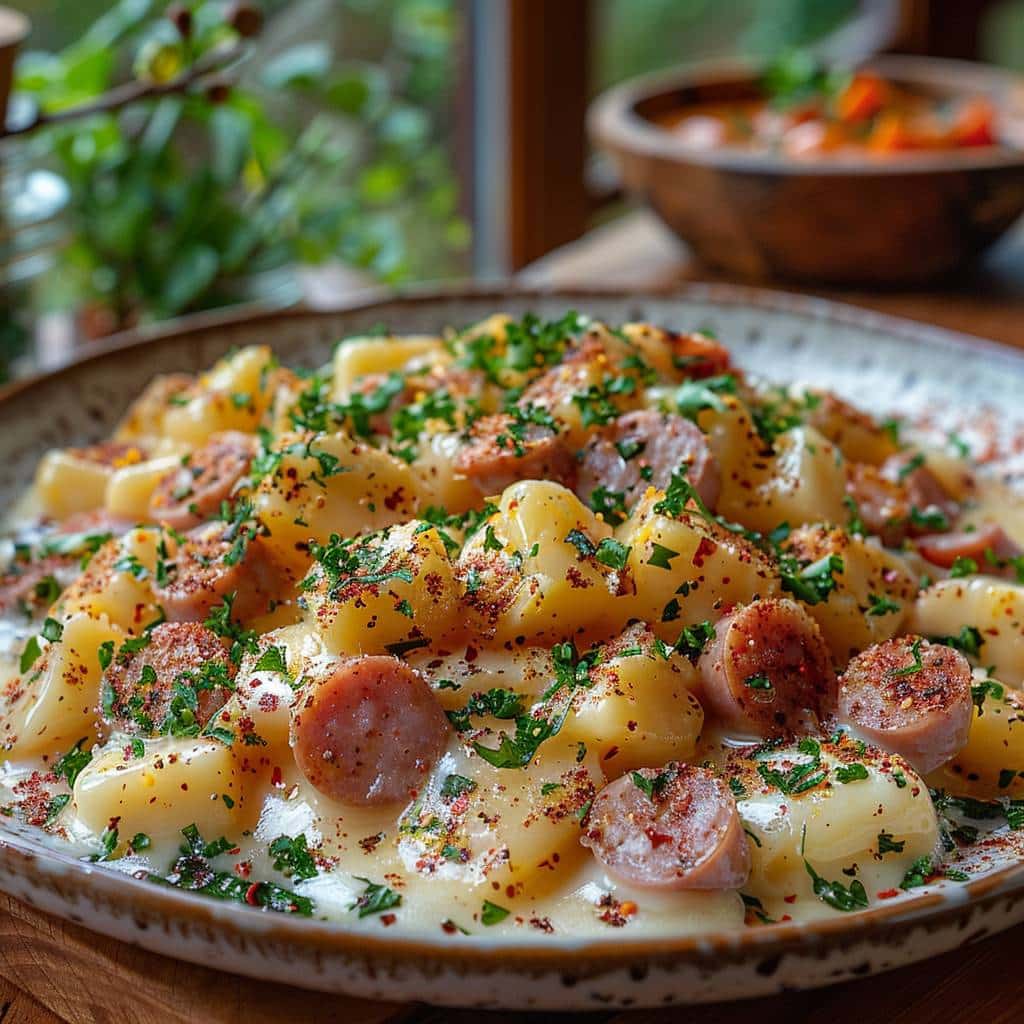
[[84, 978]]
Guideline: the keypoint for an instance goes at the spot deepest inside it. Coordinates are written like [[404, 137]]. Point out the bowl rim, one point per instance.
[[614, 123], [24, 856]]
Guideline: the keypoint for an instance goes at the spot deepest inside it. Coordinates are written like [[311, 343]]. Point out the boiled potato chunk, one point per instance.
[[805, 484], [833, 825], [436, 480], [330, 484], [455, 677], [535, 569], [232, 396], [392, 589], [687, 569], [799, 479], [177, 782], [357, 357], [874, 592], [57, 697], [992, 763], [639, 710], [118, 582], [855, 433], [510, 833], [129, 488], [66, 483], [994, 607]]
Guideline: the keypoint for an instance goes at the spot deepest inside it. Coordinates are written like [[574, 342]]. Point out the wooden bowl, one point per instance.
[[855, 219]]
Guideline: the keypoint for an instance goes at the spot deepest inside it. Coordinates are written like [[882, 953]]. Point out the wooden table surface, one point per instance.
[[52, 971]]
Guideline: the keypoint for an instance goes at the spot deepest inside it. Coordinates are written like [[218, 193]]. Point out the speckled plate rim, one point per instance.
[[71, 888]]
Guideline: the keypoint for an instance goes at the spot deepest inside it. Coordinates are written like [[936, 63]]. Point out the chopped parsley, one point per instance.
[[491, 913], [375, 899], [800, 777], [661, 556], [192, 871], [914, 667], [962, 566], [835, 894], [653, 788], [693, 640], [455, 786], [847, 773], [888, 844], [967, 641], [611, 553], [292, 857], [811, 583], [918, 873], [881, 605]]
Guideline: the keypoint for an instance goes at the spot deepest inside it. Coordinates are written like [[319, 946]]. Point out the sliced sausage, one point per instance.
[[882, 505], [110, 453], [178, 679], [644, 448], [768, 671], [96, 521], [922, 487], [23, 586], [210, 565], [368, 732], [501, 451], [191, 494], [989, 546], [677, 829], [894, 507], [455, 381], [910, 697], [698, 355]]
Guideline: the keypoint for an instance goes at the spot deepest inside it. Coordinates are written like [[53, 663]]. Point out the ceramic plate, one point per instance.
[[887, 365]]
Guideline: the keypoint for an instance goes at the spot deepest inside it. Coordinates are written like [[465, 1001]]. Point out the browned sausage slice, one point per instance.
[[768, 671], [26, 584], [883, 506], [177, 679], [911, 697], [677, 828], [922, 487], [698, 355], [192, 493], [501, 451], [644, 448], [988, 540], [368, 732], [110, 453], [210, 565]]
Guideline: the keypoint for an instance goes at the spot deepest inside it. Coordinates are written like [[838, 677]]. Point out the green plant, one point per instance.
[[296, 157]]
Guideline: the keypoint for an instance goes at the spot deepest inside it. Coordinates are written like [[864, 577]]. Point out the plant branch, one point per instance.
[[132, 92]]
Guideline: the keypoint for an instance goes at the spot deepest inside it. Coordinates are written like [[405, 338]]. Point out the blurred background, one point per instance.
[[309, 149]]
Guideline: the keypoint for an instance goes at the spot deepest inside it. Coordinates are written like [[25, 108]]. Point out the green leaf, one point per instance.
[[491, 913], [611, 553], [300, 66], [375, 899], [229, 131], [292, 857], [848, 773], [188, 277], [455, 785]]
